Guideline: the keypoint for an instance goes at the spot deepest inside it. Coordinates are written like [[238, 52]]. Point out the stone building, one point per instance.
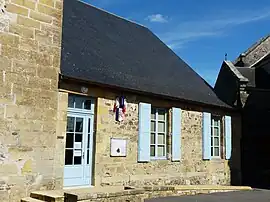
[[63, 67], [245, 83]]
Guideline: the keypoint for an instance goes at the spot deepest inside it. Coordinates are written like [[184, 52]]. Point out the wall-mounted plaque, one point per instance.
[[118, 147]]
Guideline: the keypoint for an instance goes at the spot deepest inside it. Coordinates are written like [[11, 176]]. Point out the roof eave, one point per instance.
[[227, 108]]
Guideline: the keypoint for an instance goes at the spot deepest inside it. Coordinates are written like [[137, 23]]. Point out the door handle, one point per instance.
[[83, 155]]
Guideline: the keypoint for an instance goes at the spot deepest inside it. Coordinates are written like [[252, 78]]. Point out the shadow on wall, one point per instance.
[[235, 160], [255, 143]]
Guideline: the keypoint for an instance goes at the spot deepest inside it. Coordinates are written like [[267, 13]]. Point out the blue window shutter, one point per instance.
[[176, 134], [144, 132], [206, 140], [228, 137]]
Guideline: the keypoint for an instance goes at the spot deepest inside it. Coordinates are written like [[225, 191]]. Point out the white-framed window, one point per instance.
[[216, 136], [158, 133]]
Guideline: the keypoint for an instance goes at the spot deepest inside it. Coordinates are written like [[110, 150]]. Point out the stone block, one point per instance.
[[5, 63], [56, 60], [21, 30], [52, 50], [44, 59], [59, 5], [47, 2], [28, 44], [26, 3], [57, 22], [27, 22], [43, 37], [24, 67], [9, 39], [47, 72], [38, 82], [40, 17], [49, 11], [57, 40], [13, 8]]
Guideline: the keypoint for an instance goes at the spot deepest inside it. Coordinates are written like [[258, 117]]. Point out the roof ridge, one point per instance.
[[105, 11], [256, 44]]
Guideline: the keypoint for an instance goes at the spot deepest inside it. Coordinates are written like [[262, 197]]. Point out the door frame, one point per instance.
[[87, 115]]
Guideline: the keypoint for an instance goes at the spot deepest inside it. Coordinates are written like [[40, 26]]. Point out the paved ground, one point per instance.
[[238, 196]]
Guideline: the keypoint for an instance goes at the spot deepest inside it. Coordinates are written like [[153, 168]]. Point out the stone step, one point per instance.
[[48, 196], [29, 199]]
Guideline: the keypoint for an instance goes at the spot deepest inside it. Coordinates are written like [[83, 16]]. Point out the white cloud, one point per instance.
[[157, 18], [180, 34]]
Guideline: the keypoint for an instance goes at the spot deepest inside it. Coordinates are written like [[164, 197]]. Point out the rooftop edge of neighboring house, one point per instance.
[[255, 52]]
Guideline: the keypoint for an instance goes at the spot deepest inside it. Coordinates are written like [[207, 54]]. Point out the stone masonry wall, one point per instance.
[[30, 37], [127, 171]]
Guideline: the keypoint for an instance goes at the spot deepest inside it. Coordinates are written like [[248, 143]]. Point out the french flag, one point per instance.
[[120, 108]]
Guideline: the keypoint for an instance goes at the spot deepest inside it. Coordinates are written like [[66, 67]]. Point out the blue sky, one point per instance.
[[199, 31]]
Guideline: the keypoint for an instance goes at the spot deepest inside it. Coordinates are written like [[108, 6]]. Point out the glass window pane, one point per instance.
[[153, 126], [215, 122], [88, 156], [70, 124], [161, 138], [88, 141], [153, 113], [87, 104], [211, 141], [79, 125], [216, 151], [161, 127], [216, 141], [78, 137], [161, 115], [79, 102], [69, 140], [89, 125], [152, 150], [71, 101], [68, 157], [216, 131], [161, 151], [153, 138], [212, 151], [77, 160]]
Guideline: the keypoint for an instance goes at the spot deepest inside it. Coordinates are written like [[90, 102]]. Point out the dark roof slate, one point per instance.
[[248, 73], [105, 49]]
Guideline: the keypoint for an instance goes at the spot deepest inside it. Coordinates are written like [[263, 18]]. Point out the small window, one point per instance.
[[79, 102], [216, 136], [158, 133]]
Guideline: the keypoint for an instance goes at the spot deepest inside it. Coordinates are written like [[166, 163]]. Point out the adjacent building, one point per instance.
[[245, 84], [92, 99]]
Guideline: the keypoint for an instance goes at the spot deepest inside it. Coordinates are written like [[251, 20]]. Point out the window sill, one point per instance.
[[158, 159], [216, 159]]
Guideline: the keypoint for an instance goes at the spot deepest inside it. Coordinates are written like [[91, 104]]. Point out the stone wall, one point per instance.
[[30, 36], [128, 172]]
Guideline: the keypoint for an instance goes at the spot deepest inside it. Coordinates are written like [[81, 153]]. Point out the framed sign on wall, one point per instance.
[[118, 147]]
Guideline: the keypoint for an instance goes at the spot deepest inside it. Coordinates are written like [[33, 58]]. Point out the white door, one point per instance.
[[78, 152]]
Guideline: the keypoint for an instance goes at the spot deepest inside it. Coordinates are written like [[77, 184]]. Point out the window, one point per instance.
[[216, 136], [79, 102], [158, 133]]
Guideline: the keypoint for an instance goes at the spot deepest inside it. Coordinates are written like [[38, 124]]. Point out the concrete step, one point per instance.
[[48, 196], [29, 199]]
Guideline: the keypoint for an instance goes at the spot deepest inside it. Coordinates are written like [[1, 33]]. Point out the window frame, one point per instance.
[[213, 136], [156, 120]]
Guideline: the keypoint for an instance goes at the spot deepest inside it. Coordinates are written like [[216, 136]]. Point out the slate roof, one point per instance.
[[248, 73], [102, 48]]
